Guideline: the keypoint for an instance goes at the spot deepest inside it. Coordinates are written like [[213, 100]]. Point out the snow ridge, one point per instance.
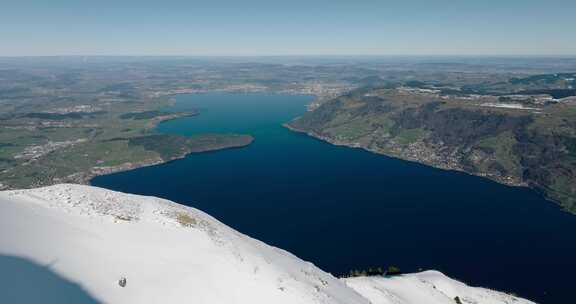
[[170, 253]]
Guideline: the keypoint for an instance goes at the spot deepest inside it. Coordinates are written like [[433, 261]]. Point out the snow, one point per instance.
[[430, 287], [516, 106], [171, 253]]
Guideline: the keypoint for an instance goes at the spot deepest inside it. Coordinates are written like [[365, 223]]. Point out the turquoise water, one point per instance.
[[344, 208], [23, 282]]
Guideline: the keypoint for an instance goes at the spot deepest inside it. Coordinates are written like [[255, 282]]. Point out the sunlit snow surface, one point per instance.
[[170, 253]]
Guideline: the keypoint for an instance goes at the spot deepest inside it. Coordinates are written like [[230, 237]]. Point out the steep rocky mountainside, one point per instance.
[[515, 144]]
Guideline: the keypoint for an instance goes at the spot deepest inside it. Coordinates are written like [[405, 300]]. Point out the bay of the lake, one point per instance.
[[343, 208]]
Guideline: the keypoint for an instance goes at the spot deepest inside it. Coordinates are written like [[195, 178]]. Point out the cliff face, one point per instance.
[[123, 248], [520, 146]]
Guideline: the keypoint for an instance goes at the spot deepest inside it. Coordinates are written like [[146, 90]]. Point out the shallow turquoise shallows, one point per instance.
[[344, 208]]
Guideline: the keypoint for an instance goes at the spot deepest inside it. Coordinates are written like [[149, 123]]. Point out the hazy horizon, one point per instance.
[[298, 28], [423, 56]]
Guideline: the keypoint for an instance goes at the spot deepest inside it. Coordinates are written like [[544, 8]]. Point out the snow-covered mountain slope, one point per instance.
[[169, 253], [429, 287]]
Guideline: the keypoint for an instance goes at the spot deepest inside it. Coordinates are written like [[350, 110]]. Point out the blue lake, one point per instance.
[[344, 208]]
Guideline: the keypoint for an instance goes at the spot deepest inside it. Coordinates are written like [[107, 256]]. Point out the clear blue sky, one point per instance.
[[289, 27]]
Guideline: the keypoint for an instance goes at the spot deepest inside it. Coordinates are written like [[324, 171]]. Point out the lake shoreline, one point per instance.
[[301, 193], [86, 179], [416, 161]]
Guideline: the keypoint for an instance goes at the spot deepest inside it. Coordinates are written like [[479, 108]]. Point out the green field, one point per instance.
[[38, 150]]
